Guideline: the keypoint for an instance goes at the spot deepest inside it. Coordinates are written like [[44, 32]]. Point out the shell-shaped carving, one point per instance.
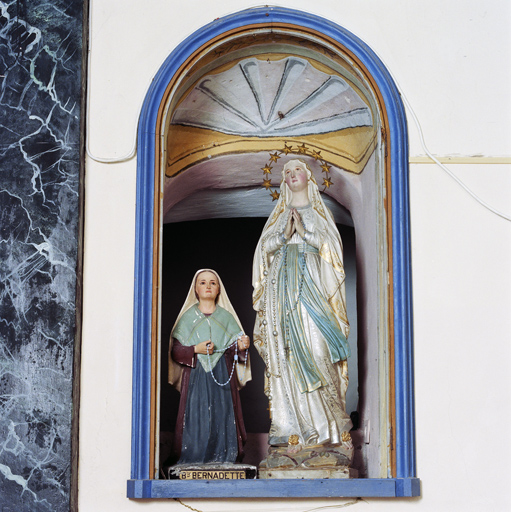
[[264, 98]]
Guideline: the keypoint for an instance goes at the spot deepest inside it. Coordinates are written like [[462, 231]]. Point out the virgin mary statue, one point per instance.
[[301, 327]]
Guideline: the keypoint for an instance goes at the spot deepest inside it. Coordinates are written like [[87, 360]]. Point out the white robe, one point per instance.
[[317, 416]]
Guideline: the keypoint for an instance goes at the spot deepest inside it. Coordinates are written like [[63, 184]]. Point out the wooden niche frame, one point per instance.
[[401, 480]]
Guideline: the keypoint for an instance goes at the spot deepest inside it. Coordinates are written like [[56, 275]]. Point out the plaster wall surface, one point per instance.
[[457, 78]]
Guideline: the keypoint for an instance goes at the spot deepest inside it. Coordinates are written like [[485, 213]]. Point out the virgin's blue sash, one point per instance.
[[296, 288]]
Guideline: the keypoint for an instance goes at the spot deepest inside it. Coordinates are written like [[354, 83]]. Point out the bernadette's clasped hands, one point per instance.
[[207, 347]]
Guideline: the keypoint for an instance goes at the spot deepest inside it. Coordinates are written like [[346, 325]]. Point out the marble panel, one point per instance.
[[40, 100]]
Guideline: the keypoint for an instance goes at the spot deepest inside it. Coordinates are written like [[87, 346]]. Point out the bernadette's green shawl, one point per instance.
[[220, 327]]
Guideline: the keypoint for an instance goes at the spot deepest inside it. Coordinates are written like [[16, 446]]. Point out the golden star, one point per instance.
[[316, 154], [267, 183], [274, 157], [275, 195], [267, 169], [325, 167], [287, 149], [327, 182], [302, 149]]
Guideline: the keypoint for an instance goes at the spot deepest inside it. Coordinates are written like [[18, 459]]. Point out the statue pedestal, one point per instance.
[[309, 473], [296, 461]]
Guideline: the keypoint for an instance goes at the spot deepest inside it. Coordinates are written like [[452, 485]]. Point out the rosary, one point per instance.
[[235, 343]]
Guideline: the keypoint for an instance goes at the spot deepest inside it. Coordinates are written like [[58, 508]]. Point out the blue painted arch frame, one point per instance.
[[405, 483]]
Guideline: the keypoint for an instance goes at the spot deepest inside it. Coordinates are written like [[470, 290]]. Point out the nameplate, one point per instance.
[[212, 475]]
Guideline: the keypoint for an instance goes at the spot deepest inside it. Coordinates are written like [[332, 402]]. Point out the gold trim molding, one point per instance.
[[499, 160]]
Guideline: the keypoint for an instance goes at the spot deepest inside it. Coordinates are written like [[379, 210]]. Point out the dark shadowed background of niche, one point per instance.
[[226, 246]]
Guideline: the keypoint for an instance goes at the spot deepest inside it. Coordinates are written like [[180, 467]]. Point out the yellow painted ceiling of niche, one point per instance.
[[348, 149]]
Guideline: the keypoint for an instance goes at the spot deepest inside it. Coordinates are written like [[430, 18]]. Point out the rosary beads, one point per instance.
[[235, 343]]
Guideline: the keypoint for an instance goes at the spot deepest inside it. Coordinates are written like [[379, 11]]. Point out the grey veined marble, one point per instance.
[[40, 91]]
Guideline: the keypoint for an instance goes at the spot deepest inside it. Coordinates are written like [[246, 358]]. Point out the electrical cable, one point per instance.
[[440, 164], [423, 142], [133, 151]]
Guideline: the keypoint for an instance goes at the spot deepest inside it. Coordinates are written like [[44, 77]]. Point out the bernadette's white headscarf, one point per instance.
[[222, 299]]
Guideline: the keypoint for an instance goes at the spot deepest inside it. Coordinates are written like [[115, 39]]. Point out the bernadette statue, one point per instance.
[[208, 363], [301, 327]]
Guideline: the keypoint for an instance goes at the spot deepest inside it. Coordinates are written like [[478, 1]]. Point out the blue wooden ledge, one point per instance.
[[354, 488]]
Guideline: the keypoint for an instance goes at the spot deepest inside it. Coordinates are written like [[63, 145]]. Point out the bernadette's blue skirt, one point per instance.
[[209, 430]]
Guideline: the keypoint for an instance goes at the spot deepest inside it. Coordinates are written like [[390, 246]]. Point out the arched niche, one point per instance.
[[239, 89]]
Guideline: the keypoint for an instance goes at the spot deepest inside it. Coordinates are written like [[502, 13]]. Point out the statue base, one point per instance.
[[211, 471], [310, 473], [297, 461]]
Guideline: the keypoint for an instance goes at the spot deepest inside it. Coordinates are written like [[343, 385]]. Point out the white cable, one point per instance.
[[423, 143], [133, 151], [440, 164]]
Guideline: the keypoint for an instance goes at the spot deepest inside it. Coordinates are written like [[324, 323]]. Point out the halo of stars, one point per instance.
[[299, 150]]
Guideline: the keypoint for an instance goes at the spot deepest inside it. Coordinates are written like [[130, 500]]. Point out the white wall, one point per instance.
[[452, 61]]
